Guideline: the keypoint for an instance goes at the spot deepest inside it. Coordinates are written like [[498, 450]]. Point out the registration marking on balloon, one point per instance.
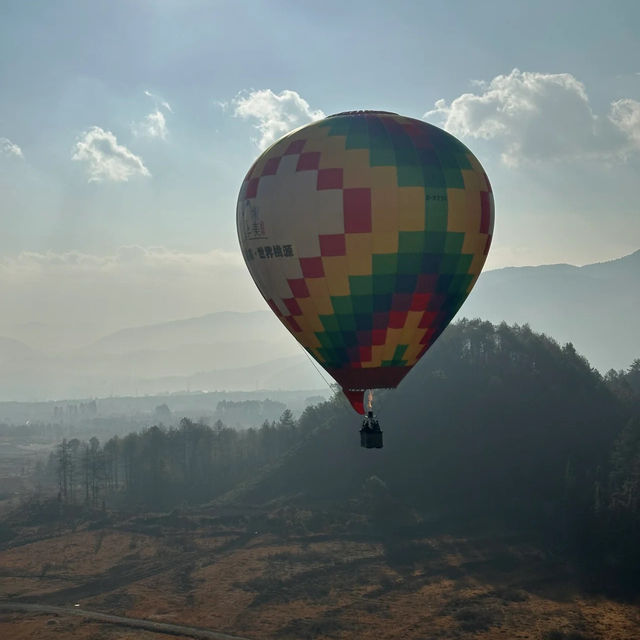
[[365, 232]]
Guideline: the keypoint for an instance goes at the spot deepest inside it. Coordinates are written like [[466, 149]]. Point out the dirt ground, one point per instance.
[[261, 576]]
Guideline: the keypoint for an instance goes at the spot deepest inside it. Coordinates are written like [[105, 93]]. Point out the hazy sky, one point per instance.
[[126, 128]]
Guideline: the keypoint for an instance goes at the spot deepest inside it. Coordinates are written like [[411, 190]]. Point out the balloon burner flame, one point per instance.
[[370, 399]]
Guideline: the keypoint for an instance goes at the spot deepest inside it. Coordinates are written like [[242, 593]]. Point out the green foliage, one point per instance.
[[495, 422]]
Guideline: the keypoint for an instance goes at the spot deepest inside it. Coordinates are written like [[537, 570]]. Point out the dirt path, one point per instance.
[[133, 623]]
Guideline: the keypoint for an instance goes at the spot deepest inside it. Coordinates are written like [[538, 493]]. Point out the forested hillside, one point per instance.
[[496, 423]]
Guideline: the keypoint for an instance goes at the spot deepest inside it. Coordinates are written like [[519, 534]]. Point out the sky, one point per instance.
[[127, 126]]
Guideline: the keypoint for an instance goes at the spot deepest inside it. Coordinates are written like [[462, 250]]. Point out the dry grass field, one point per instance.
[[280, 574]]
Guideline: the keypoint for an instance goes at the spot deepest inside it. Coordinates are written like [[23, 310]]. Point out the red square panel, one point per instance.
[[485, 208], [271, 167], [427, 320], [427, 282], [274, 307], [295, 147], [420, 301], [486, 177], [397, 319], [333, 245], [428, 336], [308, 161], [401, 301], [291, 321], [298, 288], [378, 336], [252, 188], [356, 205], [365, 354], [312, 267], [293, 307], [329, 179]]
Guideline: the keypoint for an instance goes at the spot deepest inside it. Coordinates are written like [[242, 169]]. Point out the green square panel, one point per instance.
[[435, 241], [409, 263], [338, 126], [347, 322], [330, 323], [436, 209], [381, 156], [384, 283], [360, 285], [463, 161], [394, 363], [382, 302], [411, 241], [362, 304], [384, 263], [453, 178], [433, 176], [464, 263], [448, 263], [342, 304], [410, 175], [460, 283], [357, 140], [324, 339], [336, 338], [453, 242], [406, 155], [398, 354]]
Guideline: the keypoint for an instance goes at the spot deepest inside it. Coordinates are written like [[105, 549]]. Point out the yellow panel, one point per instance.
[[384, 242], [473, 282], [479, 171], [410, 326], [307, 338], [458, 215], [359, 254], [474, 208], [474, 243], [336, 275], [377, 353], [384, 178], [393, 340], [384, 210], [333, 153], [320, 295], [478, 261], [259, 166], [355, 169], [411, 212], [471, 179], [309, 320]]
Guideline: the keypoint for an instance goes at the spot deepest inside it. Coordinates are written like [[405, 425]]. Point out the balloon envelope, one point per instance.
[[365, 232]]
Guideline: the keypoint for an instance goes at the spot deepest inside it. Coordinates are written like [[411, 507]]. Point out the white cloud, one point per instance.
[[540, 116], [276, 114], [159, 101], [107, 160], [154, 125], [625, 114], [8, 148]]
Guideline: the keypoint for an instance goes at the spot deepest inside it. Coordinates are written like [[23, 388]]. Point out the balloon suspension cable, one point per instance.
[[312, 361]]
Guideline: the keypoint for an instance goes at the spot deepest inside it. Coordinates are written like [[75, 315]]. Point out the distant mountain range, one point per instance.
[[596, 307]]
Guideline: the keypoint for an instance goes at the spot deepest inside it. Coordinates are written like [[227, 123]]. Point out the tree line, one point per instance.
[[162, 467], [496, 422]]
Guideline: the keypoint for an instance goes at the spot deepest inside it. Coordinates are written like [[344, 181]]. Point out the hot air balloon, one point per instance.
[[365, 232]]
